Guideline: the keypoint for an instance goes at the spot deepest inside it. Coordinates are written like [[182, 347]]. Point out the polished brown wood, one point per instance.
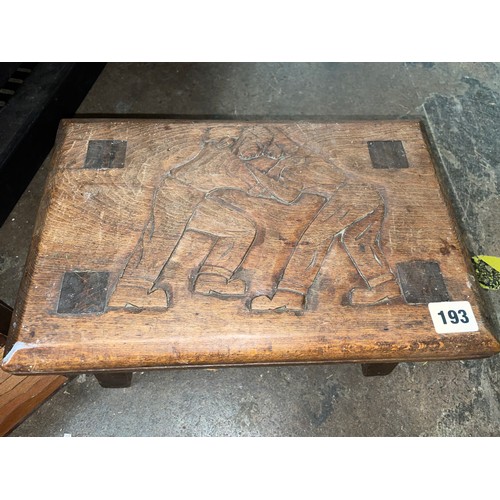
[[181, 243], [21, 395]]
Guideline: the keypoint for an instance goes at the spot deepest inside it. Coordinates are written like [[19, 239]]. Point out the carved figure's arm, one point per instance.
[[285, 188]]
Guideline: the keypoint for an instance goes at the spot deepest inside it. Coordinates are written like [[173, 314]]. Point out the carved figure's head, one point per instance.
[[252, 142]]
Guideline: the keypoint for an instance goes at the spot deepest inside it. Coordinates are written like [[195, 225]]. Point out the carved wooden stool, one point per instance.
[[170, 243]]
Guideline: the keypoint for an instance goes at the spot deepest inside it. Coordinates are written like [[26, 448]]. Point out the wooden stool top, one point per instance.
[[168, 243]]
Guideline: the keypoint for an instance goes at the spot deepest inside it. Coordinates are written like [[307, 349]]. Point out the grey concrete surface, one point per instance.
[[459, 103]]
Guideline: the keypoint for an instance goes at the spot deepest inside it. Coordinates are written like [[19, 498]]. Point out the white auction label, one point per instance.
[[453, 317]]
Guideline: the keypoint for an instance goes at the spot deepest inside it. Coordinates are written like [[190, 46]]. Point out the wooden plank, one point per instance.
[[174, 243], [21, 395]]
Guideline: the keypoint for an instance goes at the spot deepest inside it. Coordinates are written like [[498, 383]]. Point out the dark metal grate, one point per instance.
[[14, 82]]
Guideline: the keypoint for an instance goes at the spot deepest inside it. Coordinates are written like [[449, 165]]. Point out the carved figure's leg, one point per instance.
[[172, 201], [362, 243], [230, 235], [351, 206]]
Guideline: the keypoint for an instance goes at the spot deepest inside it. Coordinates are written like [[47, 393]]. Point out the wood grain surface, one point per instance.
[[176, 243]]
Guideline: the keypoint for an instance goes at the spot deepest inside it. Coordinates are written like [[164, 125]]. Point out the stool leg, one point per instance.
[[377, 369], [114, 380], [5, 317]]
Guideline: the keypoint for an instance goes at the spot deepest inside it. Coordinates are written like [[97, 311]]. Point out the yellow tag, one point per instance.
[[488, 271], [494, 262]]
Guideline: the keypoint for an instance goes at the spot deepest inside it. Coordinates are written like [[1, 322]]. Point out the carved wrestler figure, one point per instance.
[[249, 179]]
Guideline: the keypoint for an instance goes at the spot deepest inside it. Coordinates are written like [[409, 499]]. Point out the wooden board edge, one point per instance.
[[195, 120], [356, 361], [486, 346]]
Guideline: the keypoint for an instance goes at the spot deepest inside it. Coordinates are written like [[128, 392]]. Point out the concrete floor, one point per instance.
[[461, 106]]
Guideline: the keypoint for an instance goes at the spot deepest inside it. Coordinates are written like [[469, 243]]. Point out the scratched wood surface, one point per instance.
[[173, 243], [20, 395]]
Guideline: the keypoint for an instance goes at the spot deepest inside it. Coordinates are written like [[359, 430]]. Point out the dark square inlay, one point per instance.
[[83, 292], [387, 154], [421, 282], [105, 154]]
